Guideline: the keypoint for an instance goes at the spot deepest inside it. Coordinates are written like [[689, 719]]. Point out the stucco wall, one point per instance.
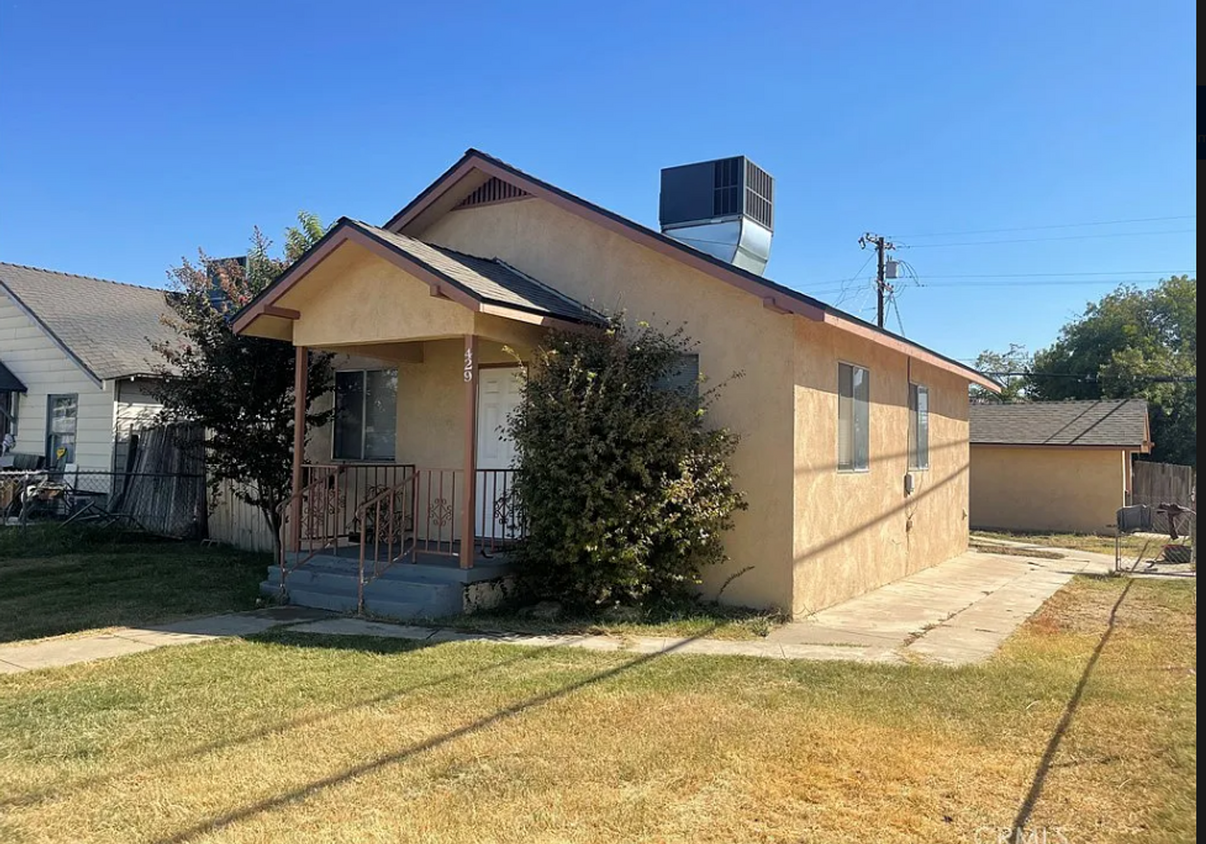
[[1047, 489], [45, 369], [736, 334], [854, 531]]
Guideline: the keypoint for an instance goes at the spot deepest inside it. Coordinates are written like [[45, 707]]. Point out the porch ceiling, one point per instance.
[[361, 285]]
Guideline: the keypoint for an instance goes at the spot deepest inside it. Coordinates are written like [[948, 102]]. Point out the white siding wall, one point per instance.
[[134, 408], [45, 369]]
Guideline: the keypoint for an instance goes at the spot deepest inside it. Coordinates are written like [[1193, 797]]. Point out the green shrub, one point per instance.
[[625, 492]]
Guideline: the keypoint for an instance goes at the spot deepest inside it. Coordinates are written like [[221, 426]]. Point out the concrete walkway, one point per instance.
[[956, 613], [120, 641]]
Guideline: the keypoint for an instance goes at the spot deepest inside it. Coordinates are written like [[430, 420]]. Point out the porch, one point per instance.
[[453, 332]]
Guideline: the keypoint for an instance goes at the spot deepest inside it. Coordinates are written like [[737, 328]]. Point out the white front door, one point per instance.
[[498, 393]]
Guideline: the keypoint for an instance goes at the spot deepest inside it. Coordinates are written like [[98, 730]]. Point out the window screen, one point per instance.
[[854, 418], [919, 427]]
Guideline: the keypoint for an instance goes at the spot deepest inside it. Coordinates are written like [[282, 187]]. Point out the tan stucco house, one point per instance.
[[855, 444], [1055, 466]]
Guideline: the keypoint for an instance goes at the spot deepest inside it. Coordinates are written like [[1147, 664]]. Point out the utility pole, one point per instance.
[[882, 288]]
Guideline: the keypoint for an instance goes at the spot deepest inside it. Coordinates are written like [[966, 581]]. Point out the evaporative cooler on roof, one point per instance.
[[723, 207]]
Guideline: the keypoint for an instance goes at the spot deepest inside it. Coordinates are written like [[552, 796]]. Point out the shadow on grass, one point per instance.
[[215, 824], [1065, 722], [360, 644]]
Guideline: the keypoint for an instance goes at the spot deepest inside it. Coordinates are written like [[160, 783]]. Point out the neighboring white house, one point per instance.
[[76, 365]]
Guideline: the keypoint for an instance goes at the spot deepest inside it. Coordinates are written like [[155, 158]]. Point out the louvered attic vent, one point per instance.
[[493, 190]]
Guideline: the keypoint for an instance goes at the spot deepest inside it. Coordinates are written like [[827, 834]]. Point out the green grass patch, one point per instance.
[[687, 619], [316, 739], [56, 580]]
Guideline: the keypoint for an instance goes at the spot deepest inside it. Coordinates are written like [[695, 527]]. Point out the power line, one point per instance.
[[1030, 275], [1055, 226], [1045, 239], [825, 291]]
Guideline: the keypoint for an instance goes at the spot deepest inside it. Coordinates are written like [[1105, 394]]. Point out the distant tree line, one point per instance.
[[1131, 344]]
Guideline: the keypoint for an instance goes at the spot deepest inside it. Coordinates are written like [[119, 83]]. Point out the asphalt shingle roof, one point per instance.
[[106, 325], [1122, 423], [487, 279]]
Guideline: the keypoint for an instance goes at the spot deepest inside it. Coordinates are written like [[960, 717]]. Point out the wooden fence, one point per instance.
[[1165, 483], [233, 521]]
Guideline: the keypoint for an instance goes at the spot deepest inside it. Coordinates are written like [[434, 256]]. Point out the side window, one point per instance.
[[366, 414], [854, 418], [62, 415], [683, 377], [919, 426]]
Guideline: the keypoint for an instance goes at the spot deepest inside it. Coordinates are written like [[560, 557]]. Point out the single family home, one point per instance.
[[1055, 466], [855, 447], [76, 366]]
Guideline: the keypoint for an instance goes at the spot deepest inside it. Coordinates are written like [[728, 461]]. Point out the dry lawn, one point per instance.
[[1133, 545], [305, 739]]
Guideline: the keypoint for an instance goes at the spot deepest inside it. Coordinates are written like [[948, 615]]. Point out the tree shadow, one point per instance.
[[216, 823], [1026, 810], [362, 644]]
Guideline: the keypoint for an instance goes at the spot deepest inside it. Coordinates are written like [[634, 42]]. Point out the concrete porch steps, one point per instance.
[[405, 591]]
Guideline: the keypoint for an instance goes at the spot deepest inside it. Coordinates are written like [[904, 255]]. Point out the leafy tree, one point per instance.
[[239, 389], [1133, 344], [997, 365], [625, 491]]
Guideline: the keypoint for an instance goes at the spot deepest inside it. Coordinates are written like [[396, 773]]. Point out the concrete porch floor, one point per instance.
[[956, 613]]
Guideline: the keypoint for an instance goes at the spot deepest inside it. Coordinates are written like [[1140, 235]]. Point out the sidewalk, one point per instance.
[[120, 641], [956, 613]]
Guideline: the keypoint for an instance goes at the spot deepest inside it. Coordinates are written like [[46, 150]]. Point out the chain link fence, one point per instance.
[[169, 504]]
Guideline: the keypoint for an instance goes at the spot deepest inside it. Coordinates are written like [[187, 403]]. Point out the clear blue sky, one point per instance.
[[132, 133]]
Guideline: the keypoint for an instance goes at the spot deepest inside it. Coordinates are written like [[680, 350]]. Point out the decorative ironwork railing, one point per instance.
[[331, 498], [423, 515]]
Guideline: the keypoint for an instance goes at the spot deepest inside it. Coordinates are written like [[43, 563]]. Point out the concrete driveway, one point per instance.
[[955, 613]]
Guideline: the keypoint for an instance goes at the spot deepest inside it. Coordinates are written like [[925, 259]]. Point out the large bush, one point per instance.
[[625, 490]]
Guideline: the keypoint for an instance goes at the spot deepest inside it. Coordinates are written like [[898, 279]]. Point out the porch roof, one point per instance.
[[474, 281]]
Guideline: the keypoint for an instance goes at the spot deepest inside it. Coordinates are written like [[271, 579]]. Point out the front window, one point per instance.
[[854, 418], [366, 414], [919, 427], [62, 412]]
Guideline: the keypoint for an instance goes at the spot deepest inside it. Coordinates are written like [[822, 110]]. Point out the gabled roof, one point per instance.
[[476, 167], [480, 284], [1105, 423], [104, 326], [488, 280]]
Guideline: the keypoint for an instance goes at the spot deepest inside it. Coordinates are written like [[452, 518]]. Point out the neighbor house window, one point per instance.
[[854, 418], [919, 427], [366, 414], [62, 414]]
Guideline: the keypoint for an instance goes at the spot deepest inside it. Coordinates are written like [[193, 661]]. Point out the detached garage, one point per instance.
[[1054, 466]]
